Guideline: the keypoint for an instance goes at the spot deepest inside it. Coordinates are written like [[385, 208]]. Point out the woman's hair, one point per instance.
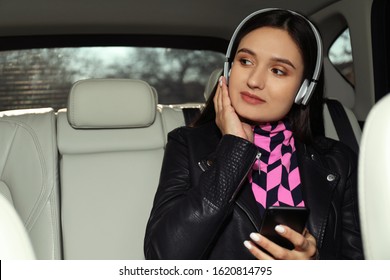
[[306, 120]]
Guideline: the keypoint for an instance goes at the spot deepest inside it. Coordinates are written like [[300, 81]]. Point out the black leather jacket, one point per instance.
[[205, 209]]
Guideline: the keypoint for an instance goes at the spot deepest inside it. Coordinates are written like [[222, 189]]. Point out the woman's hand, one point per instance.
[[305, 245], [226, 117]]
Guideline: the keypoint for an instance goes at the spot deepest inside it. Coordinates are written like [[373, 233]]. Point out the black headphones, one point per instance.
[[305, 91]]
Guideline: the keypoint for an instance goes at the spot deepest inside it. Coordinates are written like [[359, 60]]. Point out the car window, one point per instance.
[[36, 78], [340, 55]]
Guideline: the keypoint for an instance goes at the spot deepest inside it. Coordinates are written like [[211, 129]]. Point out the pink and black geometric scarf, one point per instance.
[[275, 176]]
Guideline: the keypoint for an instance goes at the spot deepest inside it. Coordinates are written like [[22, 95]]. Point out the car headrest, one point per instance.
[[374, 181], [212, 82], [111, 103]]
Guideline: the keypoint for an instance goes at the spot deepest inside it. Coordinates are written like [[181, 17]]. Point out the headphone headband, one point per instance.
[[307, 87]]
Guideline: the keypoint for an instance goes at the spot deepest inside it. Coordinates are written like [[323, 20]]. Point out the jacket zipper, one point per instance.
[[258, 155], [258, 158]]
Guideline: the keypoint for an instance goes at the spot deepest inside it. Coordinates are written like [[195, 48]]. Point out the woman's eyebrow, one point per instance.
[[283, 60], [248, 51], [276, 59]]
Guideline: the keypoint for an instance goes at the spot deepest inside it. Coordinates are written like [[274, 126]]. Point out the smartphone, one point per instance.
[[293, 217]]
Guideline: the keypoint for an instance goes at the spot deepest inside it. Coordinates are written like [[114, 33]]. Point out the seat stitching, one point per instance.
[[40, 202], [8, 150]]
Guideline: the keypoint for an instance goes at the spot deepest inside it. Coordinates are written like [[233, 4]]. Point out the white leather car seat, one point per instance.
[[15, 243], [374, 182], [29, 175], [172, 117], [111, 145]]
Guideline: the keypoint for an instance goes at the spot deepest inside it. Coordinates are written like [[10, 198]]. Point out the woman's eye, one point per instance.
[[278, 72], [245, 61]]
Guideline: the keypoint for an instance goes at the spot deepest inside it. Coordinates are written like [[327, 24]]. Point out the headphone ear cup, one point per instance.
[[309, 93], [302, 92]]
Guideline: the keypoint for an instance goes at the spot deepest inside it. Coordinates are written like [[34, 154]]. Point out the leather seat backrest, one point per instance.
[[172, 117], [374, 181], [111, 146], [29, 175], [15, 242]]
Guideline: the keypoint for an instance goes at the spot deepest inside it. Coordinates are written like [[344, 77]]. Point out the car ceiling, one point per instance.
[[207, 18]]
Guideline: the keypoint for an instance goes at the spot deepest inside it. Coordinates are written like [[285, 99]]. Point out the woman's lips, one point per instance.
[[251, 99]]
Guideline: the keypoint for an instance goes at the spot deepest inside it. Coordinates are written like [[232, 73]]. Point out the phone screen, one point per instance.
[[293, 217]]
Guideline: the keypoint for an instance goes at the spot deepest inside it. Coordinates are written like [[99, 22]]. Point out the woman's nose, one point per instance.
[[257, 78]]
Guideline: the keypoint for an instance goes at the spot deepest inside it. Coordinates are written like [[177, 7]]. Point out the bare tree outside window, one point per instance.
[[340, 54], [43, 77]]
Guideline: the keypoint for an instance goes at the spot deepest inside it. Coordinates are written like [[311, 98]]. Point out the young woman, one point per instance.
[[256, 145]]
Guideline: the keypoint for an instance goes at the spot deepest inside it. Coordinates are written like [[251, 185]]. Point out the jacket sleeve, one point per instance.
[[185, 219]]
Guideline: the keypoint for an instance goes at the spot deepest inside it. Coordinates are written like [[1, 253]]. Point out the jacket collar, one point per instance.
[[318, 183]]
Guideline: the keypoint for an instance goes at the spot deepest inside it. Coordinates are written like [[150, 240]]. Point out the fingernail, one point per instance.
[[220, 81], [247, 244], [255, 236], [280, 229]]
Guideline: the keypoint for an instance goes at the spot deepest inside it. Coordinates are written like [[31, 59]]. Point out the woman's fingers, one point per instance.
[[225, 98], [217, 99], [253, 248], [305, 245], [314, 251], [275, 251], [225, 113], [220, 99]]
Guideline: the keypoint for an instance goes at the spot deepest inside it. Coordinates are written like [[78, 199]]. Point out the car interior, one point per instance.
[[81, 152]]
